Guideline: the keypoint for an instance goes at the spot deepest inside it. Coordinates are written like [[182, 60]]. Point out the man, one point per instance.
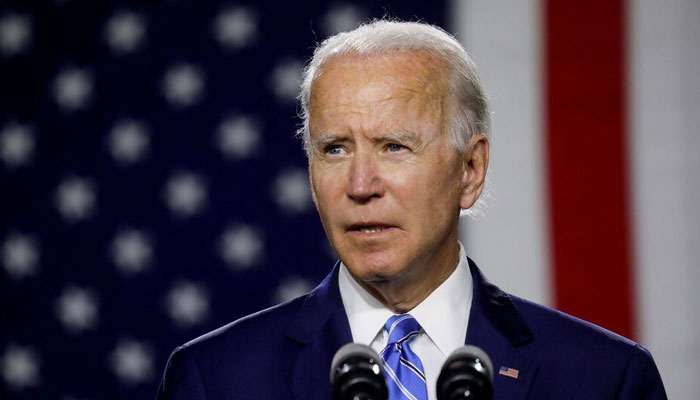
[[395, 129]]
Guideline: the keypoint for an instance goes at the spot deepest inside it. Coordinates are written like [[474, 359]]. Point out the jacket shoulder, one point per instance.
[[245, 356], [586, 352], [268, 326], [553, 326]]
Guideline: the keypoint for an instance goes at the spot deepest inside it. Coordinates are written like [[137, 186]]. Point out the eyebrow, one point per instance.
[[401, 137], [324, 140]]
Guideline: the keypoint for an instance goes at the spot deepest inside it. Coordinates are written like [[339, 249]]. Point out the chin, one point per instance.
[[377, 278], [376, 265], [374, 271]]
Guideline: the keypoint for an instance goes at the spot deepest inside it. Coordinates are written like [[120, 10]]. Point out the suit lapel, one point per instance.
[[496, 326], [319, 330]]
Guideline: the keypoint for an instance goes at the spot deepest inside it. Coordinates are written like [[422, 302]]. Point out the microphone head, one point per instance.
[[357, 373], [466, 374]]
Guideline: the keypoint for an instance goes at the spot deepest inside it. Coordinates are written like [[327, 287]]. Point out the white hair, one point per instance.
[[468, 112]]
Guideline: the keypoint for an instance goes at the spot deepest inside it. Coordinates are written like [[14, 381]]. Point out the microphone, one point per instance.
[[467, 374], [357, 374]]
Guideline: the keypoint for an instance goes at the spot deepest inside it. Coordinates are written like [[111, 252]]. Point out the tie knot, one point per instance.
[[401, 328]]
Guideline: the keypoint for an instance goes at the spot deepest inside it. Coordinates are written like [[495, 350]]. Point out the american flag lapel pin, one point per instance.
[[509, 372]]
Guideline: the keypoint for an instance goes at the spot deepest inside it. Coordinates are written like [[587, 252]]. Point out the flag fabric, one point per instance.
[[594, 167], [151, 183], [152, 188]]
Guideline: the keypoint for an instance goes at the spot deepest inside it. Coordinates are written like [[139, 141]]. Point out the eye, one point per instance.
[[335, 150], [395, 147]]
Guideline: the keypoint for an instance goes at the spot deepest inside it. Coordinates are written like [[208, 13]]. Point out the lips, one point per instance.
[[369, 227]]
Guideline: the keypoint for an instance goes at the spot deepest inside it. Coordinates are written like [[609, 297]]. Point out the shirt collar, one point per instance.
[[366, 314], [443, 314]]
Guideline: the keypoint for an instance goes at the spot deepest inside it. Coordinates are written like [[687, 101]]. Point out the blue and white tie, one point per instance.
[[405, 375]]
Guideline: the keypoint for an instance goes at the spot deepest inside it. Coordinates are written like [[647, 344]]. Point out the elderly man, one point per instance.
[[395, 129]]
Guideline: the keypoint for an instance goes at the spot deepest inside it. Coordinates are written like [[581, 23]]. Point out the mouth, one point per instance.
[[369, 228]]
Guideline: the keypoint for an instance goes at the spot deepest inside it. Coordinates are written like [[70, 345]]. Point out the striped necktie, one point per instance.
[[405, 376]]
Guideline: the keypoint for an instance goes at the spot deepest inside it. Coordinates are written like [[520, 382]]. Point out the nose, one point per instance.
[[364, 182]]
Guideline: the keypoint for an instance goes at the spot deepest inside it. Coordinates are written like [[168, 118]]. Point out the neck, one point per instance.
[[404, 293]]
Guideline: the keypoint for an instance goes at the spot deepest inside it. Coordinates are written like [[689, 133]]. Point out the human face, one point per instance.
[[387, 183]]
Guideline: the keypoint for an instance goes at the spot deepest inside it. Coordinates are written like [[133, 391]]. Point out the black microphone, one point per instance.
[[357, 374], [467, 374]]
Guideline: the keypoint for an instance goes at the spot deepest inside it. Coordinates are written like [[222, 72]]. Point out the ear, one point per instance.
[[476, 162]]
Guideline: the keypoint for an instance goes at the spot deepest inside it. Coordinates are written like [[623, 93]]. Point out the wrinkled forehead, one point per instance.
[[412, 70], [379, 95]]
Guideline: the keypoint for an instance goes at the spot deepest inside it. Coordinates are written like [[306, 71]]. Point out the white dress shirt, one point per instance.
[[443, 315]]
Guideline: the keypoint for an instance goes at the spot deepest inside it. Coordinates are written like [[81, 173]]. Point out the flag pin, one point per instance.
[[509, 372]]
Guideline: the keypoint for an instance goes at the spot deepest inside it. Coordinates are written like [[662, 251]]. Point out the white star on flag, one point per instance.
[[15, 34], [183, 85], [187, 304], [20, 367], [185, 194], [236, 27], [292, 288], [125, 32], [128, 141], [72, 89], [16, 144], [75, 199], [77, 309], [238, 137], [20, 255], [341, 19], [285, 80], [241, 246], [291, 190], [132, 362], [132, 251]]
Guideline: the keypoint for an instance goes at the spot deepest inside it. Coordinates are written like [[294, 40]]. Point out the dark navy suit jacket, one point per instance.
[[285, 352]]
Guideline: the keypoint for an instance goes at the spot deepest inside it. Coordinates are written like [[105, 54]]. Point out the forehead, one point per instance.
[[396, 91], [407, 78]]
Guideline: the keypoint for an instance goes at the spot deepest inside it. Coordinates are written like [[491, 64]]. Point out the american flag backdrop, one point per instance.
[[152, 189], [151, 184]]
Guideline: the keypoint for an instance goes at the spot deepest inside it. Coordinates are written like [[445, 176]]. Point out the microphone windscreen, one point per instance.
[[351, 350], [467, 374], [357, 372], [475, 353]]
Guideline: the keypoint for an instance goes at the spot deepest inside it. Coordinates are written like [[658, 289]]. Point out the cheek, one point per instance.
[[416, 194], [326, 187], [435, 192]]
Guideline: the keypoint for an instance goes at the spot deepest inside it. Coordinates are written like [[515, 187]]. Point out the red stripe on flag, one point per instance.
[[586, 122]]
